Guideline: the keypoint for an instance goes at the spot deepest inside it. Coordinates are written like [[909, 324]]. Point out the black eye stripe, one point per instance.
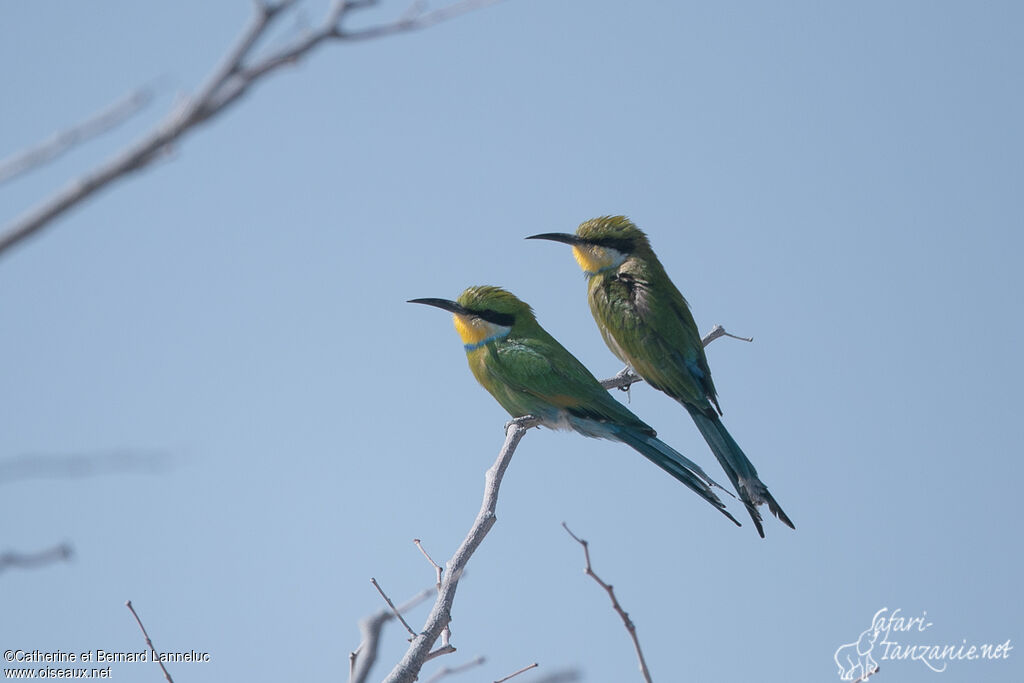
[[503, 319], [622, 244]]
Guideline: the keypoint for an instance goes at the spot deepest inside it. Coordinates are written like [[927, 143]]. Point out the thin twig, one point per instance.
[[128, 604], [446, 632], [448, 670], [409, 667], [719, 331], [233, 77], [437, 568], [516, 673], [419, 650], [393, 608], [630, 627], [362, 659], [58, 553], [352, 657], [110, 117], [443, 650]]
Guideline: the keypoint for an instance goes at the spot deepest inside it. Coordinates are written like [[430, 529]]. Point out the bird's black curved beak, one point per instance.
[[443, 304], [562, 237]]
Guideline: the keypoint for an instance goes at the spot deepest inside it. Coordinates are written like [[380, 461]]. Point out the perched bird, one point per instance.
[[529, 373], [647, 323]]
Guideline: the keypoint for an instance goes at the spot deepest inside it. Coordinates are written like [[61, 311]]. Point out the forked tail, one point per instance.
[[738, 467], [676, 464]]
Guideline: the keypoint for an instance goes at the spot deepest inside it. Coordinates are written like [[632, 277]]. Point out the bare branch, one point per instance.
[[437, 568], [414, 20], [62, 141], [623, 380], [419, 651], [409, 667], [443, 650], [58, 553], [64, 466], [394, 609], [237, 72], [128, 604], [362, 659], [630, 627], [516, 673], [719, 331], [448, 670]]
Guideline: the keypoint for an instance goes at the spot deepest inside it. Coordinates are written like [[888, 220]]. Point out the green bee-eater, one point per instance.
[[529, 373], [647, 323]]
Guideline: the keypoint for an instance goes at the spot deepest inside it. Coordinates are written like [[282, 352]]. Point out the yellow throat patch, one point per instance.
[[476, 331], [593, 259]]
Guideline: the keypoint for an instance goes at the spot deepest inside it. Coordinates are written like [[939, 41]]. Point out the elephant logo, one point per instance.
[[854, 659]]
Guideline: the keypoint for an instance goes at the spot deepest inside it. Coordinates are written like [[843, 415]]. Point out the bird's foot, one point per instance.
[[523, 422]]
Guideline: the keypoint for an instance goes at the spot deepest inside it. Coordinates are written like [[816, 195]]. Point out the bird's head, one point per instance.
[[483, 314], [601, 244]]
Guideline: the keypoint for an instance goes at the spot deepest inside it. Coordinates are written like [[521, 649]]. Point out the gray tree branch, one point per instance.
[[232, 79], [409, 667], [626, 621], [362, 659], [419, 650], [149, 643], [62, 141], [74, 465], [58, 553]]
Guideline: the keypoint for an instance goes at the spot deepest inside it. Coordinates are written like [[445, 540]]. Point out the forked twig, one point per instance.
[[407, 670], [235, 76]]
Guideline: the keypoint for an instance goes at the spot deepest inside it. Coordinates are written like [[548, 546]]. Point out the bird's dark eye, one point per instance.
[[621, 244], [503, 319]]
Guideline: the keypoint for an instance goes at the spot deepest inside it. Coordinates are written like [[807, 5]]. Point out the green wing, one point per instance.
[[537, 375], [656, 335]]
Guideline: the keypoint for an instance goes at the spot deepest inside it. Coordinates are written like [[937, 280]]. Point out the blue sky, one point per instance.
[[841, 181]]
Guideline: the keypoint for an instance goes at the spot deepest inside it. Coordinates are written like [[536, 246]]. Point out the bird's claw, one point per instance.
[[521, 421]]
